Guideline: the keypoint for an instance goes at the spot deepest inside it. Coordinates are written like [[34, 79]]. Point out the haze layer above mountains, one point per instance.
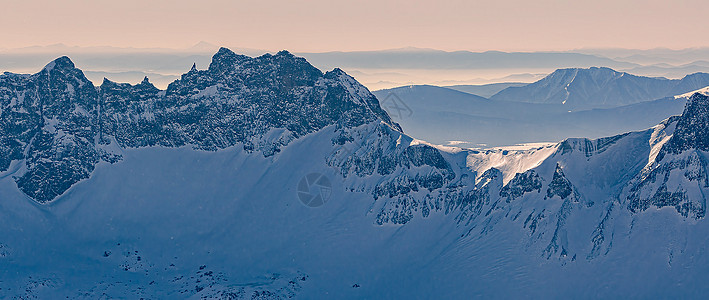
[[375, 69]]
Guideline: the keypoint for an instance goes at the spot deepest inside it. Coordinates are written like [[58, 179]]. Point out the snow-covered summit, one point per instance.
[[600, 87]]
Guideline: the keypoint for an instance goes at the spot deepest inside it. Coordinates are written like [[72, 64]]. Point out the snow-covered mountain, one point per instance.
[[264, 178], [600, 87]]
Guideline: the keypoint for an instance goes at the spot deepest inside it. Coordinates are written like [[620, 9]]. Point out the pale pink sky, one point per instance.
[[327, 25]]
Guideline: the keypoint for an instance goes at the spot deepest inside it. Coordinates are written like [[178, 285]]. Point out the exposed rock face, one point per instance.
[[678, 175], [522, 183], [692, 131], [560, 186], [49, 119]]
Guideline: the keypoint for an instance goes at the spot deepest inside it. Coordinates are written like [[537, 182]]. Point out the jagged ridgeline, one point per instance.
[[55, 125]]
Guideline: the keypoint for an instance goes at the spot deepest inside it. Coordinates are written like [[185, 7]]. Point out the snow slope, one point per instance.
[[703, 91]]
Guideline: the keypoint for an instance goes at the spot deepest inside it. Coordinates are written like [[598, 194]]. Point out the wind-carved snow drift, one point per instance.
[[571, 202]]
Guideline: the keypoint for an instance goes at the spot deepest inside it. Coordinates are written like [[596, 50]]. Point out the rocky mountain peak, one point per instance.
[[284, 53], [692, 131], [61, 63], [146, 84], [62, 70], [107, 82], [225, 59]]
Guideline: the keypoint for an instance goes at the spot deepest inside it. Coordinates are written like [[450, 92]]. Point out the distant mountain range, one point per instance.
[[651, 56], [592, 102], [599, 87], [376, 69], [446, 116], [485, 90], [415, 58]]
